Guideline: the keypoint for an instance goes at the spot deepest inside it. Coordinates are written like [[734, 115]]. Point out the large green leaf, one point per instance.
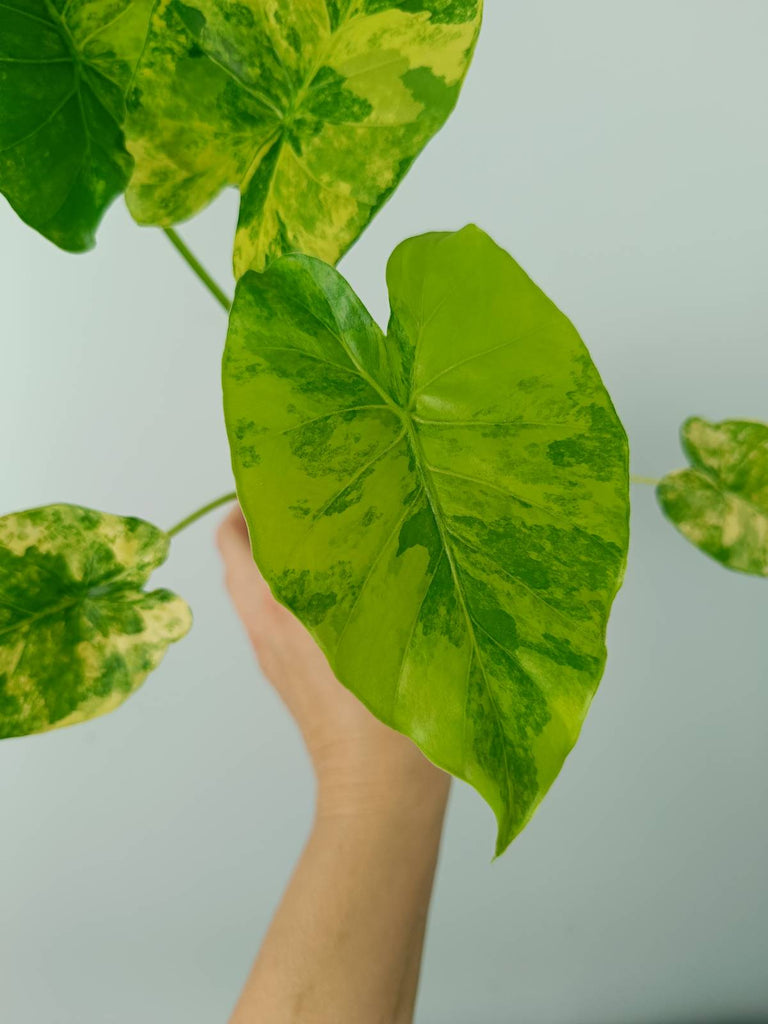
[[64, 68], [445, 508], [314, 110], [721, 503], [78, 634]]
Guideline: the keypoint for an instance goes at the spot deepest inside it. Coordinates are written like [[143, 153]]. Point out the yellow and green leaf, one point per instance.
[[78, 633], [64, 69], [314, 110], [721, 503], [445, 508]]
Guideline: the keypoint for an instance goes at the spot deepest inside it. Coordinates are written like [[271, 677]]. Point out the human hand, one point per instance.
[[360, 763]]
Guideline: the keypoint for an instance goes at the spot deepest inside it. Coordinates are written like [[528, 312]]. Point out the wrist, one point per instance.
[[391, 778]]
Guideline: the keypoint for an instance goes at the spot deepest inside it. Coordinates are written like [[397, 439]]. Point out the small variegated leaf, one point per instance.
[[64, 68], [446, 508], [721, 503], [78, 633], [314, 110]]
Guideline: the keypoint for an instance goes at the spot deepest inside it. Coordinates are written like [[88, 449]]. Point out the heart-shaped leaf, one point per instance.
[[445, 508], [314, 110], [721, 503], [64, 68], [78, 634]]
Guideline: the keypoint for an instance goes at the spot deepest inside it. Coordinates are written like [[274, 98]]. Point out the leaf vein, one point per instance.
[[375, 562], [555, 516], [319, 513]]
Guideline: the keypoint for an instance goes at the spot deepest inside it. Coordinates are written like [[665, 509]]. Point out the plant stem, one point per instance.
[[201, 512], [198, 268], [651, 481]]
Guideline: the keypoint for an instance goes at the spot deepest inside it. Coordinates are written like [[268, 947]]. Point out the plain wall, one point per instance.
[[619, 151]]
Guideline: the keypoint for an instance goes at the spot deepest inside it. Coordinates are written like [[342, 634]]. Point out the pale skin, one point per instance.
[[345, 943]]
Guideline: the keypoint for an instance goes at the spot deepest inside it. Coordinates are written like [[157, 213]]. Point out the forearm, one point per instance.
[[346, 941]]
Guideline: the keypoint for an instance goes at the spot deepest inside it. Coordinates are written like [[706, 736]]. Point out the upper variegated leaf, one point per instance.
[[64, 69], [445, 508], [721, 503], [314, 110], [78, 633]]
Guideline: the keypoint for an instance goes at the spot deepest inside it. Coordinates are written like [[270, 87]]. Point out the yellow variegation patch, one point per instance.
[[78, 633], [314, 110]]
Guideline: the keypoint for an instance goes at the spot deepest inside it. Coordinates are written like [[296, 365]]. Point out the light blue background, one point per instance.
[[619, 151]]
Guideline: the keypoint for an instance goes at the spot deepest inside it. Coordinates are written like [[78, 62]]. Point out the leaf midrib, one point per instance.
[[412, 437], [25, 623], [435, 506], [70, 602], [284, 117]]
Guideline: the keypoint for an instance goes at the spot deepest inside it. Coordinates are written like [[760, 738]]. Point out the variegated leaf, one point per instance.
[[314, 110], [721, 503], [78, 633], [64, 68], [445, 508]]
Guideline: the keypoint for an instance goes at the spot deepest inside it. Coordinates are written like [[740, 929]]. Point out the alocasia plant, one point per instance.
[[721, 503], [78, 633], [446, 507], [314, 110]]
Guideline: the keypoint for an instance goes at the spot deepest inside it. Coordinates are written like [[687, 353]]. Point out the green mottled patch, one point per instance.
[[721, 503], [453, 527], [314, 110], [78, 633], [64, 69]]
